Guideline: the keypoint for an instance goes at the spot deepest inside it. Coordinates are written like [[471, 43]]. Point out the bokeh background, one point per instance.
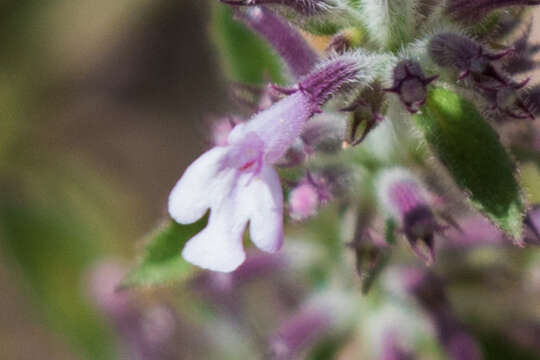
[[102, 106]]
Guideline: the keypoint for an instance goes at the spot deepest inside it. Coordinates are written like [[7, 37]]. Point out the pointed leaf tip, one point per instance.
[[161, 262], [471, 151]]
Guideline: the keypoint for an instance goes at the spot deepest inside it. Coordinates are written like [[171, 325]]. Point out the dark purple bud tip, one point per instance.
[[410, 84], [371, 257], [367, 112], [304, 7], [405, 198], [419, 226]]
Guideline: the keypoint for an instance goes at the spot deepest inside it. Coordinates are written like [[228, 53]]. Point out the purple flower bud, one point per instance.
[[471, 10], [304, 7], [469, 57], [305, 199], [476, 64], [331, 77], [298, 333], [430, 293], [404, 198], [289, 44], [410, 84]]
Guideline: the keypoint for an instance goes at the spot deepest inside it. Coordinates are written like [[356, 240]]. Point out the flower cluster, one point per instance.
[[395, 153], [380, 52]]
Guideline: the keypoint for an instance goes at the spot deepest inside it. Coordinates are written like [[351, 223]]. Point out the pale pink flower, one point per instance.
[[237, 181]]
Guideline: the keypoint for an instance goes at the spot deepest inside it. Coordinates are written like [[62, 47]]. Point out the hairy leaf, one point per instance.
[[161, 262], [471, 151]]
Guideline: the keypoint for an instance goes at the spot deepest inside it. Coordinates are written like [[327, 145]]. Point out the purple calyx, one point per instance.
[[410, 84]]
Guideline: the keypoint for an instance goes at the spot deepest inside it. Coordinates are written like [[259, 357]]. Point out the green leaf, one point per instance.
[[161, 262], [245, 57], [470, 149]]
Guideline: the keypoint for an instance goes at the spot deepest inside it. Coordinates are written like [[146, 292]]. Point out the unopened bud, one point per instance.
[[403, 196], [306, 198], [367, 113], [410, 84]]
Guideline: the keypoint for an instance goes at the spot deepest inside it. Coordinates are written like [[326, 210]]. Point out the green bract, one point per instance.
[[471, 151]]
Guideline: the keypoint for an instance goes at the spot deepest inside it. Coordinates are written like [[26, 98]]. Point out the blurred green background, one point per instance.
[[103, 104]]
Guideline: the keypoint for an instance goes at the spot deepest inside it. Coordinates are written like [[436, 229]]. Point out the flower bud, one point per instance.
[[367, 113], [307, 196], [476, 64], [410, 84], [469, 57], [404, 198], [289, 44]]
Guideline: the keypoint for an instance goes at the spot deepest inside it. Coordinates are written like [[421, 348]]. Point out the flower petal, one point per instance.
[[203, 183], [262, 198], [278, 125], [219, 246]]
